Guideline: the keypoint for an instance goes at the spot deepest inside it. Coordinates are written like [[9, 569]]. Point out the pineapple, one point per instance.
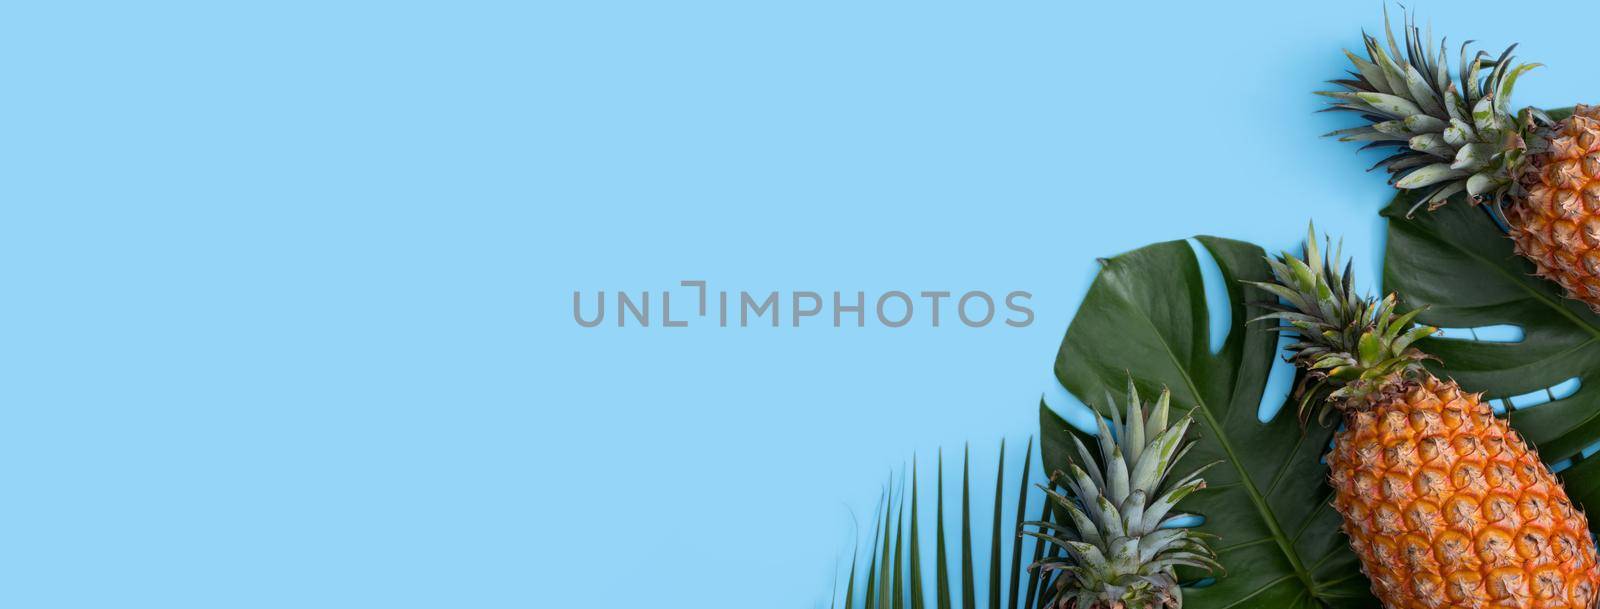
[[1117, 534], [1539, 177], [1445, 504]]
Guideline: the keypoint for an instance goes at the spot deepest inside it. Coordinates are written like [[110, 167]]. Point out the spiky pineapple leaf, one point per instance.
[[1146, 315], [1458, 263]]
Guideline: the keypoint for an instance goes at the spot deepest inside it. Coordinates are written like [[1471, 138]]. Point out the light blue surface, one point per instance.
[[288, 285], [1499, 333]]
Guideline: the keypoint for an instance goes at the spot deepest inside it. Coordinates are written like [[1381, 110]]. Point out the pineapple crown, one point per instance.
[[1115, 518], [1453, 136], [1356, 350]]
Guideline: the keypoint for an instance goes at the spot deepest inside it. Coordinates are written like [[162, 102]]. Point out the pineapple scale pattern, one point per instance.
[[1448, 507], [1557, 223]]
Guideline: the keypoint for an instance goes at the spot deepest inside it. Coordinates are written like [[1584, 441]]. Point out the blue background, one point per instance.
[[288, 285]]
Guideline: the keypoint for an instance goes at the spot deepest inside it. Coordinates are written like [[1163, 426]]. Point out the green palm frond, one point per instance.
[[893, 574]]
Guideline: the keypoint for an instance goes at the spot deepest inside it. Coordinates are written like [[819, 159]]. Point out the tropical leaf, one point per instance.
[[1542, 365], [890, 586], [1146, 315]]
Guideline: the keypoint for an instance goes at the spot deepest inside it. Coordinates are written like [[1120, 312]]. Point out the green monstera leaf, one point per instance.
[[1508, 333], [1146, 316]]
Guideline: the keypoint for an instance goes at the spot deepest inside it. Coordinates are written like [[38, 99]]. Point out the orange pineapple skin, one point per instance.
[[1448, 507], [1556, 220]]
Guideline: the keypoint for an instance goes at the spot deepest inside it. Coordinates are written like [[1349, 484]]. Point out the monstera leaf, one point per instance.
[[1146, 317], [1543, 367]]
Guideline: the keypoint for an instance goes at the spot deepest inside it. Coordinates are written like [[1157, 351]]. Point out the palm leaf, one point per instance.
[[1022, 513], [850, 586], [943, 583], [916, 547], [994, 538], [969, 598], [1037, 580], [893, 577]]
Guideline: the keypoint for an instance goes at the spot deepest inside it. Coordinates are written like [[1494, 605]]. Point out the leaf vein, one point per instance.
[[1263, 510]]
